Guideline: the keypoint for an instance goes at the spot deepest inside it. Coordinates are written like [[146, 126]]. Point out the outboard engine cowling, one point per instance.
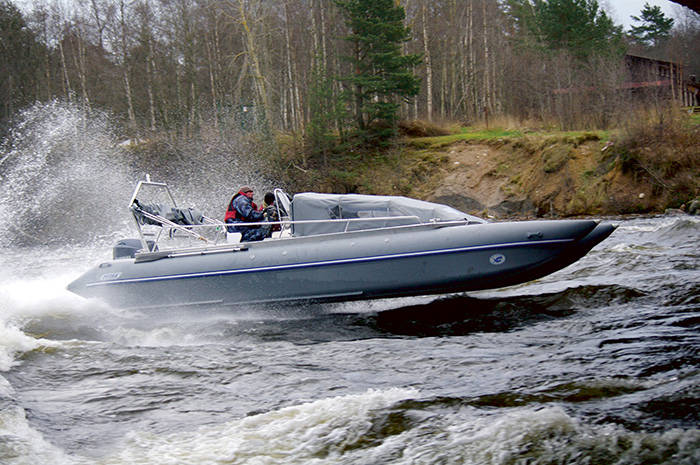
[[127, 248]]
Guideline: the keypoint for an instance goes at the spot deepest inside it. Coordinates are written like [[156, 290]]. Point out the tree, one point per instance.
[[20, 60], [325, 108], [256, 58], [578, 26], [655, 27], [566, 61], [381, 74]]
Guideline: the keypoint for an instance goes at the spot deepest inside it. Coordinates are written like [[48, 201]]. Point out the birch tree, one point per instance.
[[251, 41], [428, 66], [120, 37]]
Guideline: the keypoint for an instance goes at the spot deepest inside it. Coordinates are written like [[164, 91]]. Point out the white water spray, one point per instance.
[[65, 178], [60, 170]]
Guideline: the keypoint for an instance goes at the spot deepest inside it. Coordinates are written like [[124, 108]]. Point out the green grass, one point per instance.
[[473, 134], [598, 134], [465, 134]]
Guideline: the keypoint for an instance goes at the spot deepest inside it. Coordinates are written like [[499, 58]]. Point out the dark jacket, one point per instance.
[[243, 210]]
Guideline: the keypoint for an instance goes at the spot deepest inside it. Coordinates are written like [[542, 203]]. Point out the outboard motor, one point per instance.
[[127, 248]]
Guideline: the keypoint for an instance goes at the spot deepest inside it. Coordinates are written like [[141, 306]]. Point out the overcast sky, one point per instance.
[[621, 10]]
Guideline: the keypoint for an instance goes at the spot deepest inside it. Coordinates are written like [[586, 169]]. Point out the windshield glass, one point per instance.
[[396, 211], [283, 202]]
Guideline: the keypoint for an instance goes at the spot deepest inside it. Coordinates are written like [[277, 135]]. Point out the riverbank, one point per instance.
[[645, 168]]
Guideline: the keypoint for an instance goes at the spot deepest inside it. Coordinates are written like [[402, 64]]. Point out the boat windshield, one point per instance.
[[283, 203], [309, 209]]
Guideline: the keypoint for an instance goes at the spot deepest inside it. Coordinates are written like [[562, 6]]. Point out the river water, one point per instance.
[[595, 364]]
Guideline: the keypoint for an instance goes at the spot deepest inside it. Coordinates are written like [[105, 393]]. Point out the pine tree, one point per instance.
[[382, 75], [325, 109], [578, 26], [655, 26]]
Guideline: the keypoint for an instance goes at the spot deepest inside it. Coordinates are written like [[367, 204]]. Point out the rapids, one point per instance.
[[597, 363]]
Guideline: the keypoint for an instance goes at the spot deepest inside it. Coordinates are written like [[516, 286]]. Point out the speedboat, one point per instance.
[[327, 247]]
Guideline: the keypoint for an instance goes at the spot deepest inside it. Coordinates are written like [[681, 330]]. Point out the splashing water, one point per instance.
[[66, 179], [60, 170]]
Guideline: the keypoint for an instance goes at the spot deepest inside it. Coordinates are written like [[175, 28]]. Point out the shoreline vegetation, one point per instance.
[[508, 170], [511, 170]]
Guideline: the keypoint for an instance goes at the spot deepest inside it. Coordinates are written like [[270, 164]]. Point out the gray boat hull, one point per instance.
[[412, 260]]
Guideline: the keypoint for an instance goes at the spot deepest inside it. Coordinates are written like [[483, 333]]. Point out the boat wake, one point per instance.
[[35, 322], [31, 309]]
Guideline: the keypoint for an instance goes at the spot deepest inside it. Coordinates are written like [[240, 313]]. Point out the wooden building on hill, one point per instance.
[[664, 77], [651, 77], [692, 86]]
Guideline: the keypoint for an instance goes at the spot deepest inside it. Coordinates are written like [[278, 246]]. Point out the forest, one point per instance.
[[317, 94], [179, 66]]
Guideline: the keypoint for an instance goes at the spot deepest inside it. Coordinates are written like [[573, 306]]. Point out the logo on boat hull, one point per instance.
[[497, 259], [110, 276]]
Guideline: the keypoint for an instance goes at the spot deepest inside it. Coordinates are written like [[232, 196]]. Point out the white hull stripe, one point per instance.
[[341, 261]]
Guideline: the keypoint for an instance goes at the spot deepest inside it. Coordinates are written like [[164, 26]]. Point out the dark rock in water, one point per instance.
[[674, 211], [694, 207], [680, 405]]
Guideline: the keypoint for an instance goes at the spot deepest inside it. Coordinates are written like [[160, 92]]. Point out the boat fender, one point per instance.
[[127, 248]]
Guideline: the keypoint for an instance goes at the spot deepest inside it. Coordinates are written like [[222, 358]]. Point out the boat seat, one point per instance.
[[182, 216]]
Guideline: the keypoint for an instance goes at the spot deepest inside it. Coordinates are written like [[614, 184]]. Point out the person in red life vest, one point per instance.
[[242, 209]]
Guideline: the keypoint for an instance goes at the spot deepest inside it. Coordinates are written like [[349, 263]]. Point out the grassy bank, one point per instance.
[[646, 166]]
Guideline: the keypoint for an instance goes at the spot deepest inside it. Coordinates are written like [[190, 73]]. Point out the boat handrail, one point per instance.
[[285, 223], [211, 248], [217, 223], [188, 229]]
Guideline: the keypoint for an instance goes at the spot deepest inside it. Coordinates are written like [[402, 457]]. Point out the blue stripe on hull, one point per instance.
[[328, 262]]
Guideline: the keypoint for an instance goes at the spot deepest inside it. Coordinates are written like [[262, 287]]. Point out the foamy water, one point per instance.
[[601, 369], [597, 363]]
